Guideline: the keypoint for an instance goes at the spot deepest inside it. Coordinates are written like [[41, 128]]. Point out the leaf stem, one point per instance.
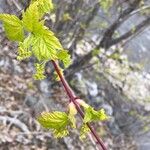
[[73, 98]]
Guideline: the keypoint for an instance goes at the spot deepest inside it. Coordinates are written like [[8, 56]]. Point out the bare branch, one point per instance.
[[16, 122], [138, 28], [122, 17]]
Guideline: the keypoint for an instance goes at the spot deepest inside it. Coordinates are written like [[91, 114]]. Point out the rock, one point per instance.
[[108, 109], [2, 6], [17, 68], [92, 88], [30, 101], [143, 141], [44, 87], [79, 83]]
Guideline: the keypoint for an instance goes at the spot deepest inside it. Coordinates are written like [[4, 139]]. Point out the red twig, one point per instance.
[[72, 98]]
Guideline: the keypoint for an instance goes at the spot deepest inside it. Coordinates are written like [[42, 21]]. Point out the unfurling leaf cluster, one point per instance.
[[61, 122], [34, 38]]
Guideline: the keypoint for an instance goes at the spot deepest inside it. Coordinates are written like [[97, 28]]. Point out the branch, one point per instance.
[[122, 17], [140, 9], [81, 31], [107, 40], [130, 32], [16, 122], [73, 98], [78, 65]]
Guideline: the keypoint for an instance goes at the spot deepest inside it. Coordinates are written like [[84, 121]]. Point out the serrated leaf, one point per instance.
[[43, 49], [54, 120], [13, 27], [84, 131], [93, 115], [27, 43], [31, 17], [64, 57], [44, 5], [45, 45], [60, 133], [49, 36]]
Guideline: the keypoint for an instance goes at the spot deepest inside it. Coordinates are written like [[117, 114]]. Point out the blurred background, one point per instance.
[[109, 44]]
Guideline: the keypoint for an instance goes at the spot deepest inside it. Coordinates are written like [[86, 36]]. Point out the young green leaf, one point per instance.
[[45, 45], [64, 57], [84, 131], [41, 42], [93, 115], [43, 50], [59, 133], [44, 6], [13, 27], [31, 17], [49, 36], [72, 113], [54, 120]]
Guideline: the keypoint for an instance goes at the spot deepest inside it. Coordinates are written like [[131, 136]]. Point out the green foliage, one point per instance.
[[59, 122], [24, 48], [40, 41], [60, 133], [84, 131], [31, 17], [43, 48], [64, 57], [13, 27], [23, 53], [44, 6], [40, 68], [93, 115], [56, 121], [72, 113]]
